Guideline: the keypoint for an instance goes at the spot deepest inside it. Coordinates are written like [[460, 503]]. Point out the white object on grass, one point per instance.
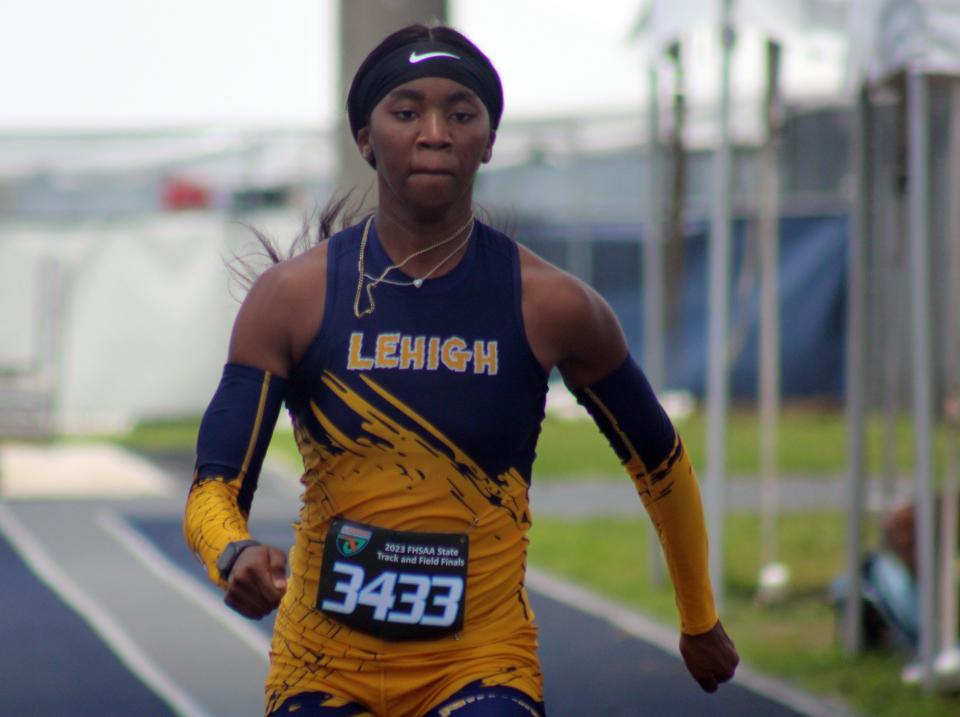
[[773, 582]]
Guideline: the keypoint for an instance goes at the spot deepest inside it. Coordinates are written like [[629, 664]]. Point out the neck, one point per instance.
[[402, 234]]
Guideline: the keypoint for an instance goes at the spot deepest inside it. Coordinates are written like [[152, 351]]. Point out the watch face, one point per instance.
[[230, 554]]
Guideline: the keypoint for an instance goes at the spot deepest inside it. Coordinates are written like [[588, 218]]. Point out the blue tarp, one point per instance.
[[812, 300]]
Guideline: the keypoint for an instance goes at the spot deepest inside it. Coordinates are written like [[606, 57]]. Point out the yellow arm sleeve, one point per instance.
[[211, 520], [671, 496]]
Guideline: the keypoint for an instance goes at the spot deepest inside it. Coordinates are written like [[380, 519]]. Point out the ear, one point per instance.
[[365, 147], [488, 152]]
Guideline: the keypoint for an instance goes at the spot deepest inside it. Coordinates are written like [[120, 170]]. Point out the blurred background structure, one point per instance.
[[765, 192], [909, 50], [133, 221]]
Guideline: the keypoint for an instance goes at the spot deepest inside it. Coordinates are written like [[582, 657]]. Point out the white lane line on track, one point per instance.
[[668, 640], [169, 572], [111, 632]]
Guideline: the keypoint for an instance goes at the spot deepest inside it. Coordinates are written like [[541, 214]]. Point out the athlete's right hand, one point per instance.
[[711, 657], [257, 581]]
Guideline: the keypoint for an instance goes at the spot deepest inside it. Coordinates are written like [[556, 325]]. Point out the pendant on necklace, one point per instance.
[[418, 283]]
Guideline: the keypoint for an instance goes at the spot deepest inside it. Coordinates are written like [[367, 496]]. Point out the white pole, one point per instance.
[[653, 249], [579, 243], [893, 232], [856, 370], [918, 98], [653, 286], [718, 314], [770, 309], [948, 519]]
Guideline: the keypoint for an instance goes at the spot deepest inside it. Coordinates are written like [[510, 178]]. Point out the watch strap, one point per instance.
[[230, 554]]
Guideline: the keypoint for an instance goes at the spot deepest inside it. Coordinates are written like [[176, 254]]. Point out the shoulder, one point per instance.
[[286, 284], [552, 292], [569, 325], [282, 312]]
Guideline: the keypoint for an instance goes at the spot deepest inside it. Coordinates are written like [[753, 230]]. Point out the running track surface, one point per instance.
[[159, 640], [52, 662]]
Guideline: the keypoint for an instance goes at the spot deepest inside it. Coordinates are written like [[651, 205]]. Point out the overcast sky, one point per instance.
[[100, 64]]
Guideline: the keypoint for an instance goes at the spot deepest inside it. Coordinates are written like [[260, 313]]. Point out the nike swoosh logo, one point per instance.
[[415, 58]]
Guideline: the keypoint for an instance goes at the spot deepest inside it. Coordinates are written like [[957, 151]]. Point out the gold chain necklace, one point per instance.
[[382, 279]]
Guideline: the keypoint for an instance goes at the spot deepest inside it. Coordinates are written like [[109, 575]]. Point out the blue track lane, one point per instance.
[[52, 662]]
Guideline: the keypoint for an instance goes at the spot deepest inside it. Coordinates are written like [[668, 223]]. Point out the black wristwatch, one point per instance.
[[230, 554]]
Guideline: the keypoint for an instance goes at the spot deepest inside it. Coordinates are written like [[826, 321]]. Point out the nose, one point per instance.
[[434, 131]]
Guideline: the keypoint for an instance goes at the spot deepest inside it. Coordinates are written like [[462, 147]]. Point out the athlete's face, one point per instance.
[[427, 138]]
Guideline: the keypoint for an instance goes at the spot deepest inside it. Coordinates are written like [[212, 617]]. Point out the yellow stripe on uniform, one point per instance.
[[252, 445], [634, 455]]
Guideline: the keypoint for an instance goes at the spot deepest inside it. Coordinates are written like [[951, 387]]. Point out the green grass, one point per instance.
[[795, 639], [810, 443], [180, 436], [159, 436]]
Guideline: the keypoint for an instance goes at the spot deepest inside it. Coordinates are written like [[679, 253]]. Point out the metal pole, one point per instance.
[[579, 250], [948, 520], [894, 298], [856, 370], [918, 98], [718, 312], [674, 235], [653, 285], [770, 309]]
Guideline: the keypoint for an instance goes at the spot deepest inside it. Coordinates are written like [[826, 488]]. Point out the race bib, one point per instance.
[[392, 584]]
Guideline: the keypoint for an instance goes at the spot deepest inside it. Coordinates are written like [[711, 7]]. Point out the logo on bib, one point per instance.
[[352, 540]]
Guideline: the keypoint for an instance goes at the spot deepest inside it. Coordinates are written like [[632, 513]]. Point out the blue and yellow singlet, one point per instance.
[[422, 416]]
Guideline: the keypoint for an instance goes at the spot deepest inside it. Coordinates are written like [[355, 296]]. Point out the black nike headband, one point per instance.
[[428, 58]]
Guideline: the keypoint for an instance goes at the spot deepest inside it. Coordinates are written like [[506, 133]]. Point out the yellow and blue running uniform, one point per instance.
[[417, 425]]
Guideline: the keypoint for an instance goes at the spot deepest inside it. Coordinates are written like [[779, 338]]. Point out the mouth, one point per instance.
[[431, 172]]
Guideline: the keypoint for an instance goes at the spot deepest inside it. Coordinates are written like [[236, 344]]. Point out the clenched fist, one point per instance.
[[257, 581], [711, 658]]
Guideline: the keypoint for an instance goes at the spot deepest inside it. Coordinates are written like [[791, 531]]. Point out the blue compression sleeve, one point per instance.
[[625, 408], [237, 426]]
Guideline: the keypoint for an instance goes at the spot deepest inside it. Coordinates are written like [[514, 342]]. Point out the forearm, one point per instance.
[[628, 413], [231, 445], [212, 520], [671, 496]]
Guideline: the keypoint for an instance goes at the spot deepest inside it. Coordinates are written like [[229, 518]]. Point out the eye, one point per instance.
[[404, 115], [462, 117]]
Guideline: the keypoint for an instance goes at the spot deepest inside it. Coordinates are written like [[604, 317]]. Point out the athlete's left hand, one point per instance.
[[711, 658]]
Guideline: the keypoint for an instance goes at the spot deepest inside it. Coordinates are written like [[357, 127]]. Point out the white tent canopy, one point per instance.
[[887, 37], [667, 20]]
